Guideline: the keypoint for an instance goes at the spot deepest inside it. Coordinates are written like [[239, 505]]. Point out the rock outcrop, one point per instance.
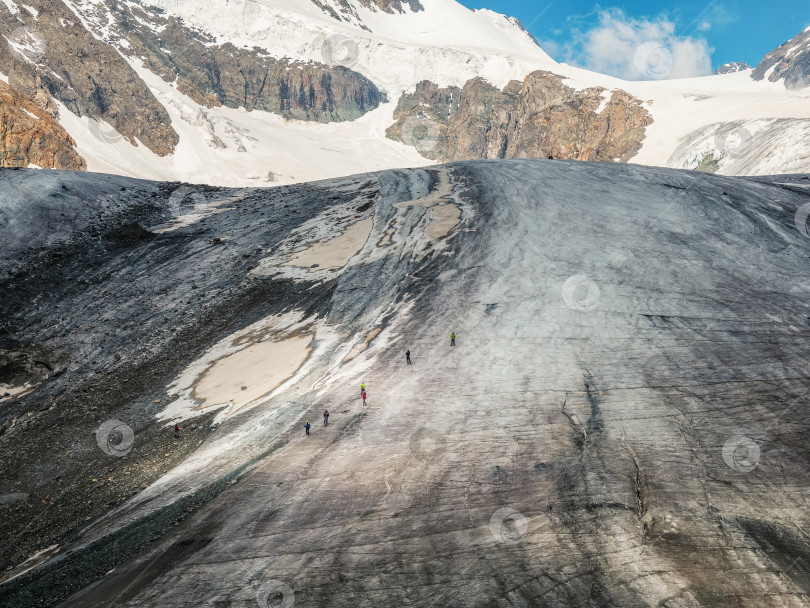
[[31, 136], [50, 54], [216, 75], [53, 56], [733, 67], [538, 118], [790, 63]]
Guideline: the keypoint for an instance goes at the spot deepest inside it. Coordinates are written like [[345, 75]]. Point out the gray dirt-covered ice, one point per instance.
[[622, 421]]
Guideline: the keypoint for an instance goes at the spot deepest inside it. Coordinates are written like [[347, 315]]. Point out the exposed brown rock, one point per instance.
[[537, 118], [89, 76], [29, 135]]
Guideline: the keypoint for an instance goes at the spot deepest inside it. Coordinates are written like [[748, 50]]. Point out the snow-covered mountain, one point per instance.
[[260, 92], [734, 66]]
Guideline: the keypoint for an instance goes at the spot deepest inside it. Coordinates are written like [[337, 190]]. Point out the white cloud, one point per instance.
[[639, 49]]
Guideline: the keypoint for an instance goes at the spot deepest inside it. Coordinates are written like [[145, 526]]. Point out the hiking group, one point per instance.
[[363, 385]]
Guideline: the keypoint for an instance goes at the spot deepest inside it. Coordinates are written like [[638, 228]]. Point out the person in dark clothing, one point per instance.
[[453, 339], [307, 427], [176, 431], [408, 356], [325, 417]]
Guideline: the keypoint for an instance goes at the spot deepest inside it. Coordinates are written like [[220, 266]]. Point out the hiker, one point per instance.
[[364, 397], [307, 427], [453, 339], [176, 431], [362, 388], [408, 356], [325, 417]]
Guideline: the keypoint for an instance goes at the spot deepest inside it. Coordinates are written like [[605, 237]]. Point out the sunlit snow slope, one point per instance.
[[698, 123], [620, 423]]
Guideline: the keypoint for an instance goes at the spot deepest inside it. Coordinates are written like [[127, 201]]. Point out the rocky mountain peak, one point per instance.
[[733, 67], [790, 63]]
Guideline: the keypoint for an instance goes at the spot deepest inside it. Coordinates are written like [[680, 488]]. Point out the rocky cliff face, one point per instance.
[[51, 55], [538, 118], [216, 75], [790, 62], [31, 136]]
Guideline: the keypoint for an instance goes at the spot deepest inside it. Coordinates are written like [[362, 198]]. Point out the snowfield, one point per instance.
[[447, 44]]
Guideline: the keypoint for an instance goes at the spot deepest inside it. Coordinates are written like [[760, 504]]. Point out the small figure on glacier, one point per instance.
[[307, 427], [453, 339], [325, 417], [176, 431], [408, 356], [364, 397], [362, 389]]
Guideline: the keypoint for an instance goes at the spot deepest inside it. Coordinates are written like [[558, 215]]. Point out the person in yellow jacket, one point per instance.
[[362, 389], [453, 339]]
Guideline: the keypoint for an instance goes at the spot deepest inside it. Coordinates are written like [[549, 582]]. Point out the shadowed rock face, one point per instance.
[[64, 61], [622, 421], [216, 75], [790, 62], [538, 118], [29, 135]]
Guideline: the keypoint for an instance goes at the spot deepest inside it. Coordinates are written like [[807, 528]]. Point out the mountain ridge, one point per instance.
[[183, 72]]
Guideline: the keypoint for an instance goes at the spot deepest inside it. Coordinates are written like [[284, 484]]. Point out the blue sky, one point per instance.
[[700, 35]]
